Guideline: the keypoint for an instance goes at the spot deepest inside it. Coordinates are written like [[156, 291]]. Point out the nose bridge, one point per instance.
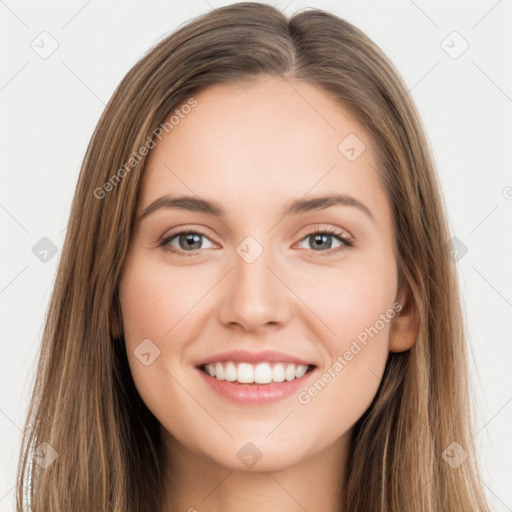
[[251, 268], [251, 274], [254, 294]]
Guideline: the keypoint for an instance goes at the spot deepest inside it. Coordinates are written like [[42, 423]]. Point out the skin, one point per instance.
[[252, 148]]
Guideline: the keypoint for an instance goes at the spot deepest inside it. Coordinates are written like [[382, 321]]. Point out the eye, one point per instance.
[[188, 242], [321, 240]]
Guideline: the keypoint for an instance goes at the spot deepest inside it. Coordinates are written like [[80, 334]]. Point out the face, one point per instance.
[[254, 288]]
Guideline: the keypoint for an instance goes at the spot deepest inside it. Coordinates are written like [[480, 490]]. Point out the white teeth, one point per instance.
[[290, 372], [219, 371], [278, 373], [230, 372], [301, 371], [245, 373], [262, 373]]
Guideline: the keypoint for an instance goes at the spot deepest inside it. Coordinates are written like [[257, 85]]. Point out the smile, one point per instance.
[[261, 373]]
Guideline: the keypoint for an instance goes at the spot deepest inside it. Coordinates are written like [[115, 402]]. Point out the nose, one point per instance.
[[255, 295]]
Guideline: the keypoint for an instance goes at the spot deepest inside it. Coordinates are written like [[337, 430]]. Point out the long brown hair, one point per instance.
[[85, 409]]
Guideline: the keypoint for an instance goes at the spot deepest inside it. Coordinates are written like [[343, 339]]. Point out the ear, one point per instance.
[[404, 326]]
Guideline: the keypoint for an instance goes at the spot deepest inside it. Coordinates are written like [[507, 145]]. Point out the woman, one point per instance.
[[261, 366]]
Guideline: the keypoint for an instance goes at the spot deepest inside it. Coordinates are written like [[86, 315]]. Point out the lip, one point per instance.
[[256, 394], [246, 356]]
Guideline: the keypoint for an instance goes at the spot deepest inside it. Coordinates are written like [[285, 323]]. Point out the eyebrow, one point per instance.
[[296, 206]]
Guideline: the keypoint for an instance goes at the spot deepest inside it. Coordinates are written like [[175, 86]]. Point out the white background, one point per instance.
[[49, 108]]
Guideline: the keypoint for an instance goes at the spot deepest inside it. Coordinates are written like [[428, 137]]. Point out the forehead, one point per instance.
[[262, 142]]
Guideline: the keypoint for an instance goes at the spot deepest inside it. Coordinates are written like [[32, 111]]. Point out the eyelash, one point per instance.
[[348, 242]]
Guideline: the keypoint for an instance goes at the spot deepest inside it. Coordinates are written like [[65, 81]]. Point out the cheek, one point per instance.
[[157, 305], [156, 301], [350, 301], [357, 310], [146, 307], [152, 303], [356, 305]]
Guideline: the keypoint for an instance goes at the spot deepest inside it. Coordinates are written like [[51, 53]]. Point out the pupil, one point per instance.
[[322, 237], [190, 241]]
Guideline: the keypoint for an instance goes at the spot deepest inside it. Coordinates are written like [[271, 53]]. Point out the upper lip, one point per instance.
[[253, 357]]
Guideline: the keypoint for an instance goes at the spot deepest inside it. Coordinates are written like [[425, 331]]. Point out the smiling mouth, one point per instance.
[[261, 373]]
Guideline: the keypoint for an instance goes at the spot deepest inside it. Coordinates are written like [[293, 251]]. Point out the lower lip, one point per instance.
[[255, 393]]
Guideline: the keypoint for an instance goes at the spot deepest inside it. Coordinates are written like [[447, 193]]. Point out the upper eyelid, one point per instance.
[[179, 231]]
